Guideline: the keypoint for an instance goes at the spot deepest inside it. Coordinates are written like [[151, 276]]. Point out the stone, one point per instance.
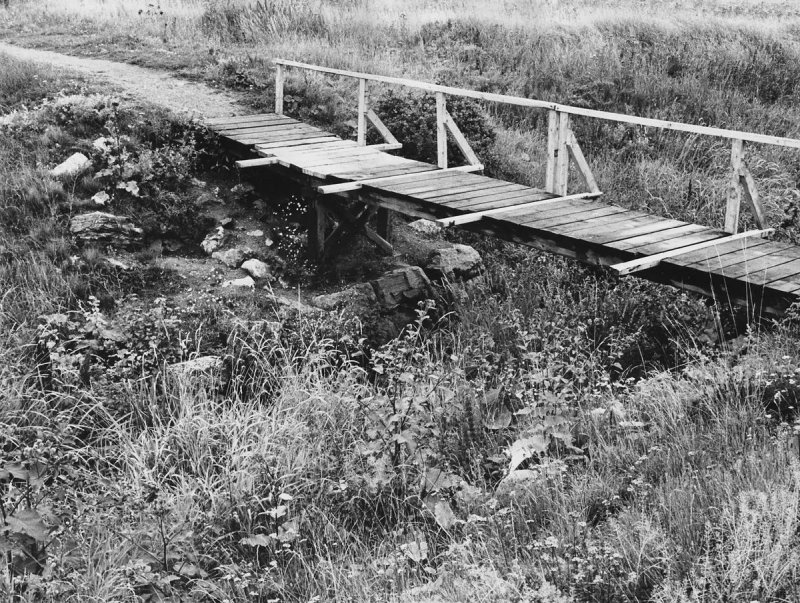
[[245, 188], [226, 222], [255, 233], [402, 286], [355, 298], [455, 263], [245, 282], [425, 227], [201, 364], [213, 240], [256, 268], [107, 229], [291, 303], [232, 258], [75, 165]]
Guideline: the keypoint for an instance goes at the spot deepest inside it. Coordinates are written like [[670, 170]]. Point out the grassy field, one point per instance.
[[555, 436]]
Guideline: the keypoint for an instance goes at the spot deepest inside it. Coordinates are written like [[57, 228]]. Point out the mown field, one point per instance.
[[556, 435]]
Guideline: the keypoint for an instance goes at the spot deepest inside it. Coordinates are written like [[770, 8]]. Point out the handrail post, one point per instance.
[[441, 130], [562, 163], [362, 112], [552, 151], [279, 89], [734, 192]]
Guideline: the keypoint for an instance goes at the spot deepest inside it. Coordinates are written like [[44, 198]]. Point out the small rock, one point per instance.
[[243, 189], [232, 258], [459, 262], [213, 240], [100, 227], [255, 233], [358, 297], [402, 286], [295, 304], [246, 281], [256, 268], [114, 263], [425, 227], [226, 222], [201, 364], [75, 165]]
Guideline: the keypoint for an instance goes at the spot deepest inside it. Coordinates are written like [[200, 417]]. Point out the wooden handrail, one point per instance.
[[539, 104]]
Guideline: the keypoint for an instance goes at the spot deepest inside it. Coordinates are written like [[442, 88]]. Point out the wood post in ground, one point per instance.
[[279, 89], [562, 155], [384, 225], [318, 230], [441, 130], [362, 112]]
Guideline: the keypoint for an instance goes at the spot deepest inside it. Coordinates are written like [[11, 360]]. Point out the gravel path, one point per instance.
[[159, 87]]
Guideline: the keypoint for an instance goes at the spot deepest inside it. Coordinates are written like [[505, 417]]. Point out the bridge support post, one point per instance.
[[558, 137], [362, 112], [734, 192], [384, 224]]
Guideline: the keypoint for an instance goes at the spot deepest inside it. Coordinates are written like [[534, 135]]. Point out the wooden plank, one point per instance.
[[754, 269], [539, 104], [479, 205], [270, 125], [676, 242], [345, 164], [734, 193], [389, 146], [754, 257], [288, 137], [445, 179], [335, 144], [238, 119], [330, 189], [265, 146], [260, 162], [369, 173], [488, 197], [654, 260], [499, 211], [261, 132], [565, 211], [321, 157], [461, 140], [714, 252], [659, 225], [650, 239], [467, 191], [604, 226], [579, 219]]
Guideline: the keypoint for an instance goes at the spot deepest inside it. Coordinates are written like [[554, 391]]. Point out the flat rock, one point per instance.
[[455, 263], [255, 233], [107, 229], [75, 165], [245, 282], [425, 227], [232, 258], [356, 298], [256, 268], [402, 286]]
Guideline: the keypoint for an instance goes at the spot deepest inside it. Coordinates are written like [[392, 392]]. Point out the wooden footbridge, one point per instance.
[[353, 181]]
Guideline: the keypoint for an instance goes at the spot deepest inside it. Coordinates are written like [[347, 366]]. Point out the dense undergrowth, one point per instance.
[[555, 435]]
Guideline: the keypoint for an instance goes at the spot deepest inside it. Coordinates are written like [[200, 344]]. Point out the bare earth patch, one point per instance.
[[149, 85]]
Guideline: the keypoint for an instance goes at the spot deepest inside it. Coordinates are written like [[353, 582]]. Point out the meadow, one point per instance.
[[556, 435]]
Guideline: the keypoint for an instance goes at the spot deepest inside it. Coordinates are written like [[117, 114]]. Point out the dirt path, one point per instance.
[[149, 85]]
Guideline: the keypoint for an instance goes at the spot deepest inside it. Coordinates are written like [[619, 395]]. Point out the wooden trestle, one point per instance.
[[352, 181]]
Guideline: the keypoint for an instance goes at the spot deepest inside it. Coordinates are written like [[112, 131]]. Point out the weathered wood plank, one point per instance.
[[666, 237], [469, 191], [484, 201], [700, 259], [267, 146], [261, 117]]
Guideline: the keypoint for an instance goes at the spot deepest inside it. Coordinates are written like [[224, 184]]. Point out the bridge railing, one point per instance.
[[562, 145]]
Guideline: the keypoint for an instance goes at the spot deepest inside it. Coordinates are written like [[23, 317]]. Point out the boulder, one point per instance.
[[213, 240], [356, 298], [232, 258], [245, 282], [402, 286], [256, 268], [106, 229], [425, 227], [455, 263], [75, 165]]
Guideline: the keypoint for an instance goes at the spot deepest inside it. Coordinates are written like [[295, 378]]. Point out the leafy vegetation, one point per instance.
[[555, 435]]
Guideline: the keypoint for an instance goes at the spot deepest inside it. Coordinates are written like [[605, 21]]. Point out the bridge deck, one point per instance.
[[744, 270]]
